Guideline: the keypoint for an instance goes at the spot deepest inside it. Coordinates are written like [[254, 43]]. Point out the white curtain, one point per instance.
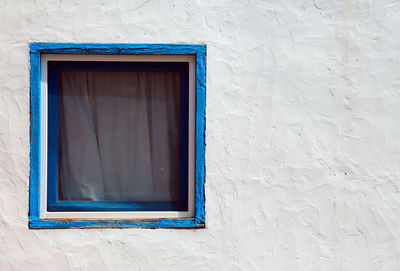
[[119, 136]]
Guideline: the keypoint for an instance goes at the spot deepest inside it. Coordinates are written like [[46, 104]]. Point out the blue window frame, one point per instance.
[[37, 50]]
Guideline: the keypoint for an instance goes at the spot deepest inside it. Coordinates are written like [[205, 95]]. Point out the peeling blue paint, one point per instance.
[[36, 49]]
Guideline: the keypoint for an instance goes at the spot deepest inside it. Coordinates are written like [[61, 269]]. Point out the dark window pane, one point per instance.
[[119, 136]]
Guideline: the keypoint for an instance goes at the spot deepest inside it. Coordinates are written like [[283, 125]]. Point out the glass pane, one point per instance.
[[118, 136]]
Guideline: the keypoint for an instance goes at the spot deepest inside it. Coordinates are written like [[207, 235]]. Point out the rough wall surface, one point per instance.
[[303, 134]]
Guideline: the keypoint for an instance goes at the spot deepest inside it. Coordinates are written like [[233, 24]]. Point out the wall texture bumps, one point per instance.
[[303, 134]]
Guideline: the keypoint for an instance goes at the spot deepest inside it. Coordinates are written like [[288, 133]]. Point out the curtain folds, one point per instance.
[[119, 136]]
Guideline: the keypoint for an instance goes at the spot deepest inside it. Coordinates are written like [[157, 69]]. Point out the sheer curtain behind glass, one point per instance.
[[119, 136]]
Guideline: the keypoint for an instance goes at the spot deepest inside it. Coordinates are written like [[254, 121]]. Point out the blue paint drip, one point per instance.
[[198, 221]]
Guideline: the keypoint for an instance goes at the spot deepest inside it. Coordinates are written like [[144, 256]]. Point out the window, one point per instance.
[[117, 135]]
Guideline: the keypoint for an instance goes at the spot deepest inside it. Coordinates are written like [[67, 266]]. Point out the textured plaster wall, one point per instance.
[[303, 135]]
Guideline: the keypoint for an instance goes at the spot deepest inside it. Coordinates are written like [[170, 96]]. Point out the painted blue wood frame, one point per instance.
[[36, 49]]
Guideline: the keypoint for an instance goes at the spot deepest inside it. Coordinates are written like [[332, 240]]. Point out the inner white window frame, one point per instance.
[[44, 214]]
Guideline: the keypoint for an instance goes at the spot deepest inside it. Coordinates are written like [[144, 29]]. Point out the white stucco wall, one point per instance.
[[303, 135]]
